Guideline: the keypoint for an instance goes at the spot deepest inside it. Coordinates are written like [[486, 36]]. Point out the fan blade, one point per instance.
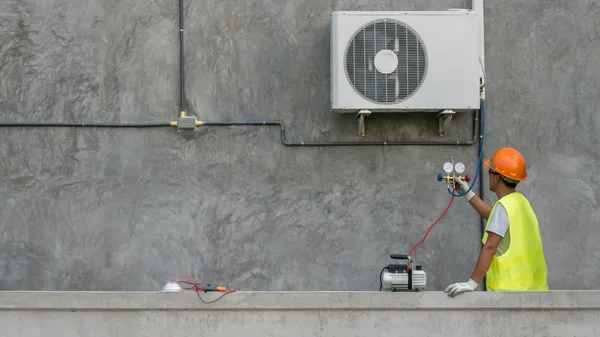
[[370, 41]]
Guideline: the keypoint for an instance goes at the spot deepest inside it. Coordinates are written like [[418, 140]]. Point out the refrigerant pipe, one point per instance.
[[479, 8]]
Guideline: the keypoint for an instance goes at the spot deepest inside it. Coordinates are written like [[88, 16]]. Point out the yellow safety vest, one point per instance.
[[523, 266]]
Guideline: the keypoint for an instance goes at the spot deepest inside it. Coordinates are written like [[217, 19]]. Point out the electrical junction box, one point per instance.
[[405, 61]]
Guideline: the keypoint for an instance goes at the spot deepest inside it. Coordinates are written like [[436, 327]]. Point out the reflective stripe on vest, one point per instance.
[[523, 266]]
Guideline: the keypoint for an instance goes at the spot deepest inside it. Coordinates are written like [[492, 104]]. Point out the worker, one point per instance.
[[512, 257]]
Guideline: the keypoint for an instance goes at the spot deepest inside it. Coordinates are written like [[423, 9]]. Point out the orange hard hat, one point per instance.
[[509, 163]]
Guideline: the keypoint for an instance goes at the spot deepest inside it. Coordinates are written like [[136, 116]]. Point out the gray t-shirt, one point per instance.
[[499, 225]]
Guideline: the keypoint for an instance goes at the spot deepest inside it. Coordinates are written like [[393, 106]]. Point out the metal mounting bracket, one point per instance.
[[362, 115], [444, 118]]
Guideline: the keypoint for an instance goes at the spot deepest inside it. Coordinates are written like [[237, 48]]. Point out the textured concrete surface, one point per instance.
[[559, 313], [298, 300], [128, 209]]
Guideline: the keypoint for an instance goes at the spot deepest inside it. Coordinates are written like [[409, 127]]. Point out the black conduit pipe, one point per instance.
[[284, 140], [181, 61], [84, 125]]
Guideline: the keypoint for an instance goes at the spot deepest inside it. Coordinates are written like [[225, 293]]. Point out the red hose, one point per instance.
[[431, 227]]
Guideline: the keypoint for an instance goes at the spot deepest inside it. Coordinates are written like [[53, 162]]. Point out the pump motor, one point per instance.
[[402, 277]]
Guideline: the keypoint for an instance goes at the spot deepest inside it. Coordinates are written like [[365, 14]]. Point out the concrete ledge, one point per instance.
[[286, 301], [300, 314]]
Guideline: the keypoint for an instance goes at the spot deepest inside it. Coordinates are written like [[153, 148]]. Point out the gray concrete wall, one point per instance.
[[128, 209], [428, 314]]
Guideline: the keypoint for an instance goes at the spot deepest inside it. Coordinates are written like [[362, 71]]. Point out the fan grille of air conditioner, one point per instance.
[[394, 84]]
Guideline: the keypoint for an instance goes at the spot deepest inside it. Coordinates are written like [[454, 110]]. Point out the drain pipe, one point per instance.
[[477, 6]]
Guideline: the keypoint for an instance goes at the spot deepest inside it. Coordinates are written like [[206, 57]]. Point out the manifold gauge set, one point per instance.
[[402, 277], [409, 277]]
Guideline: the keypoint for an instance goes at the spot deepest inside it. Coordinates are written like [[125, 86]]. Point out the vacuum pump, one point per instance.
[[402, 277]]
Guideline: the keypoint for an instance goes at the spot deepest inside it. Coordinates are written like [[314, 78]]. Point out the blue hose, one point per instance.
[[480, 152]]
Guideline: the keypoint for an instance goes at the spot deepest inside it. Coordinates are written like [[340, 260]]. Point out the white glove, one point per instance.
[[462, 186], [459, 288]]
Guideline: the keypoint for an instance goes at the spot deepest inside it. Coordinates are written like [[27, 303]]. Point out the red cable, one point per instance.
[[194, 286], [431, 227]]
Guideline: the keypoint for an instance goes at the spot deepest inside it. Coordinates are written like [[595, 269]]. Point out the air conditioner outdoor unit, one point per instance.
[[405, 61]]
